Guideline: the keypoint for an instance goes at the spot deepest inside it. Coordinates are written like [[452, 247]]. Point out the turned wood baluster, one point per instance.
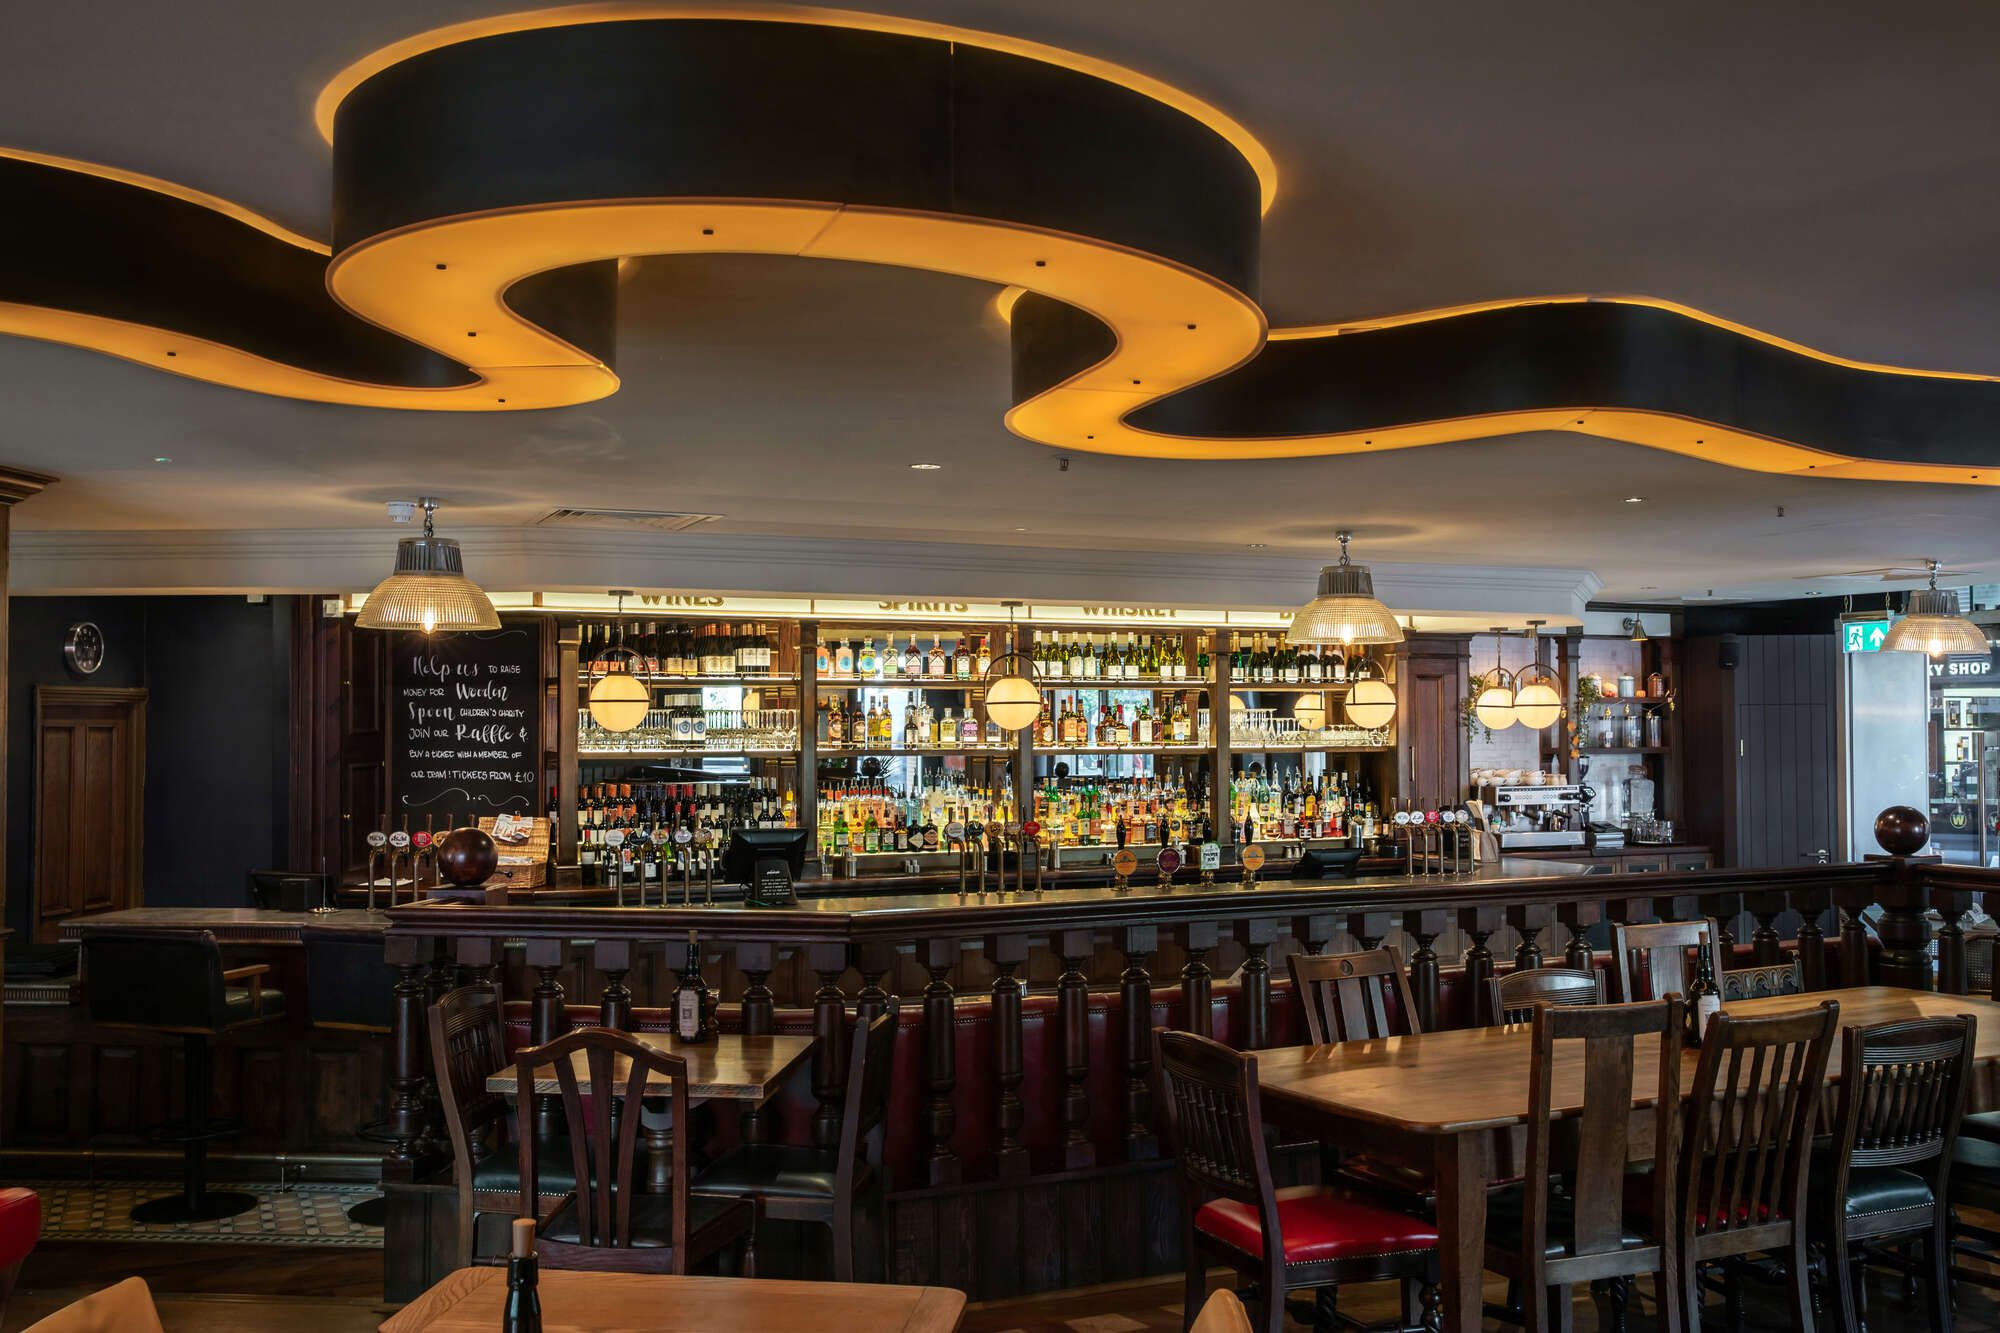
[[547, 1020], [1197, 981], [1530, 920], [1426, 988], [1578, 918], [1369, 929], [939, 957], [443, 974], [1853, 936], [1479, 925], [1725, 908], [614, 1006], [1812, 939], [1316, 931], [408, 954], [829, 1065], [1764, 907], [874, 959], [477, 956], [1008, 952], [1952, 976], [1257, 935], [1073, 1014], [1135, 988], [760, 1019]]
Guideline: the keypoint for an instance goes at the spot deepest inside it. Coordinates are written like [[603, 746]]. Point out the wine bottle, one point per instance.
[[694, 1008], [1704, 999], [523, 1311]]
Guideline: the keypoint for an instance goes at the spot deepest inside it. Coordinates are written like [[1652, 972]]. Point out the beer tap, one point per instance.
[[684, 840], [1400, 831], [614, 839], [711, 848], [1031, 847], [975, 834], [954, 837], [399, 854], [423, 859], [378, 860]]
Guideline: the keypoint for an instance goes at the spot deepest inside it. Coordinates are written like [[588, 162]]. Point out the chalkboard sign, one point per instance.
[[465, 724]]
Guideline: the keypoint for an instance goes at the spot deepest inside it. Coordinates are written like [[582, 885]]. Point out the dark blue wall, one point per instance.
[[218, 675]]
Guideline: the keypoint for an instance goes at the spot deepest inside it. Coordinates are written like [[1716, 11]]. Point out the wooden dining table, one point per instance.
[[730, 1068], [1456, 1102], [469, 1301]]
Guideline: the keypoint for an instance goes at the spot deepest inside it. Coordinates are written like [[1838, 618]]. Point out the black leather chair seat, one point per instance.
[[1975, 1172], [1506, 1223], [500, 1171], [1870, 1190], [653, 1219], [1979, 1125], [236, 1006], [777, 1169]]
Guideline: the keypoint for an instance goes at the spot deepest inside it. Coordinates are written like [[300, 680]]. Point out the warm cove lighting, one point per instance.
[[428, 590], [1932, 625], [1345, 610]]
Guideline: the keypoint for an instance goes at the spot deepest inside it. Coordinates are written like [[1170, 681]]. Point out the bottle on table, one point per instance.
[[523, 1311], [1704, 997]]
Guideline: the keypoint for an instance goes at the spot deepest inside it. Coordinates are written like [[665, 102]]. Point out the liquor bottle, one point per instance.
[[1142, 726], [947, 733], [961, 659], [1073, 658], [868, 663], [1336, 668], [1121, 727], [892, 658], [1704, 998], [1288, 662], [836, 726], [982, 659], [936, 666], [523, 1311], [694, 1008], [913, 658], [968, 728], [1045, 725], [843, 658]]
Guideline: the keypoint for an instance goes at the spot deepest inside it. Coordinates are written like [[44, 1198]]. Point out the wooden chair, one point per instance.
[[1345, 995], [468, 1045], [1514, 996], [1751, 983], [1545, 1242], [1222, 1313], [1746, 1146], [814, 1184], [125, 1307], [1282, 1240], [607, 1222], [1650, 962], [1887, 1171]]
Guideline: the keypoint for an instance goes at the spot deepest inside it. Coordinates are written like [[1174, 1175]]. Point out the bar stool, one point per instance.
[[348, 980], [171, 981]]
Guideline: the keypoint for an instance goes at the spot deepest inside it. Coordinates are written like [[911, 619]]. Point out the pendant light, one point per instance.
[[1310, 710], [1493, 693], [1346, 609], [428, 590], [1013, 699], [1932, 625], [1537, 690], [1371, 700], [619, 700], [1636, 626]]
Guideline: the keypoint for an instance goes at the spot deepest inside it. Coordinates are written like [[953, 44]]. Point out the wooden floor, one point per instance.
[[254, 1289]]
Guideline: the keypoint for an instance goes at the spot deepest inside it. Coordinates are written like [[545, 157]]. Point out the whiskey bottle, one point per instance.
[[523, 1311], [913, 658], [694, 1007], [936, 666]]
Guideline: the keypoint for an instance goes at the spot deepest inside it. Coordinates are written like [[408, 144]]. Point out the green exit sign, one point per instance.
[[1863, 636]]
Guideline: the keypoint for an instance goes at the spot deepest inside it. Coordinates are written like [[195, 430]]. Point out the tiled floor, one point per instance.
[[304, 1215]]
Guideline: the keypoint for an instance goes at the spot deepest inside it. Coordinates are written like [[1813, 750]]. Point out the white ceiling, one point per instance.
[[1826, 171]]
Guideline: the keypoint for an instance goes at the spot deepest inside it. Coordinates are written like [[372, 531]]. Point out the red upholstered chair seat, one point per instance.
[[20, 1224], [1318, 1225]]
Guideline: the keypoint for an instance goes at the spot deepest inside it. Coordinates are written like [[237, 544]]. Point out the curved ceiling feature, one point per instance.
[[488, 176]]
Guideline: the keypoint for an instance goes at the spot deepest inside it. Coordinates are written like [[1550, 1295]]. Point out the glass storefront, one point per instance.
[[1965, 759]]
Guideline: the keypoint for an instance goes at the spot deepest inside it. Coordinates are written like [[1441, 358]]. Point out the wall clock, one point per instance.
[[83, 648]]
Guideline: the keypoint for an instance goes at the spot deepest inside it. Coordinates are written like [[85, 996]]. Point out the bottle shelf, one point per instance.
[[1046, 682], [1376, 748], [652, 678], [688, 752], [1060, 750], [898, 752]]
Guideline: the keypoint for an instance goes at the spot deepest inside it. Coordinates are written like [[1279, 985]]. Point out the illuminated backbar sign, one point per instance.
[[472, 265]]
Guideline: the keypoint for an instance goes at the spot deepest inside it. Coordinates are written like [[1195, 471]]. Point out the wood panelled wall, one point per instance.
[[340, 753], [1762, 754], [1433, 750]]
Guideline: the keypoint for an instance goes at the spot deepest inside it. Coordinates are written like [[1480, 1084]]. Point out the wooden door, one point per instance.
[[90, 776], [1432, 747]]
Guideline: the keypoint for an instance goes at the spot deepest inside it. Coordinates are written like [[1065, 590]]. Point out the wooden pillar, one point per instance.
[[1810, 903], [1426, 984], [939, 957], [760, 1019], [1135, 989], [1369, 929], [1258, 935], [829, 1064], [1578, 918], [1197, 981], [1073, 1016], [1952, 905], [409, 955], [16, 485], [1764, 907], [1530, 919], [1479, 925], [874, 959], [1010, 1157], [614, 959]]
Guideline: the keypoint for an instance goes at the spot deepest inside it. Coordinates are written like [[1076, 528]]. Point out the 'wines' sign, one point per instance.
[[465, 724]]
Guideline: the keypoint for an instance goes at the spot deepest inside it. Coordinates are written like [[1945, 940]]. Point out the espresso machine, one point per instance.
[[1524, 817]]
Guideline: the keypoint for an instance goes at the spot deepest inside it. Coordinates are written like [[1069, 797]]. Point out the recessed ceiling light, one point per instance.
[[925, 467], [1635, 499], [1256, 546], [1020, 529], [163, 459]]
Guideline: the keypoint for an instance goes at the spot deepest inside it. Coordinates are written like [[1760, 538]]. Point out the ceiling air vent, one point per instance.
[[660, 520]]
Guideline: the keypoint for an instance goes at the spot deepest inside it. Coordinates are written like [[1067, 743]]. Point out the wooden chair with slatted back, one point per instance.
[[1650, 962], [1746, 1147], [1902, 1091], [1346, 995], [1515, 995], [468, 1045], [1545, 1241], [607, 1222], [1753, 983]]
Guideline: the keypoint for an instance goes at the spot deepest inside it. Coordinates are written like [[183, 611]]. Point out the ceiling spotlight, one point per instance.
[[162, 459], [925, 467], [1345, 609], [1635, 499], [1932, 625]]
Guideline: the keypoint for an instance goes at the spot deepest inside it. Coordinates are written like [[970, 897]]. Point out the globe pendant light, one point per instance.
[[1310, 710], [1537, 691], [1493, 700], [1932, 625], [428, 590], [1346, 609], [619, 700], [1013, 699], [1371, 702]]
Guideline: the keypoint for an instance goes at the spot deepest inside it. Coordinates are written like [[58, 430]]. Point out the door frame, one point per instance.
[[134, 700]]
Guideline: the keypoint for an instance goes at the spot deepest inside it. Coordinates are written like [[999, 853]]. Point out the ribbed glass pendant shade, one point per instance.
[[429, 590], [1346, 609], [1932, 625]]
